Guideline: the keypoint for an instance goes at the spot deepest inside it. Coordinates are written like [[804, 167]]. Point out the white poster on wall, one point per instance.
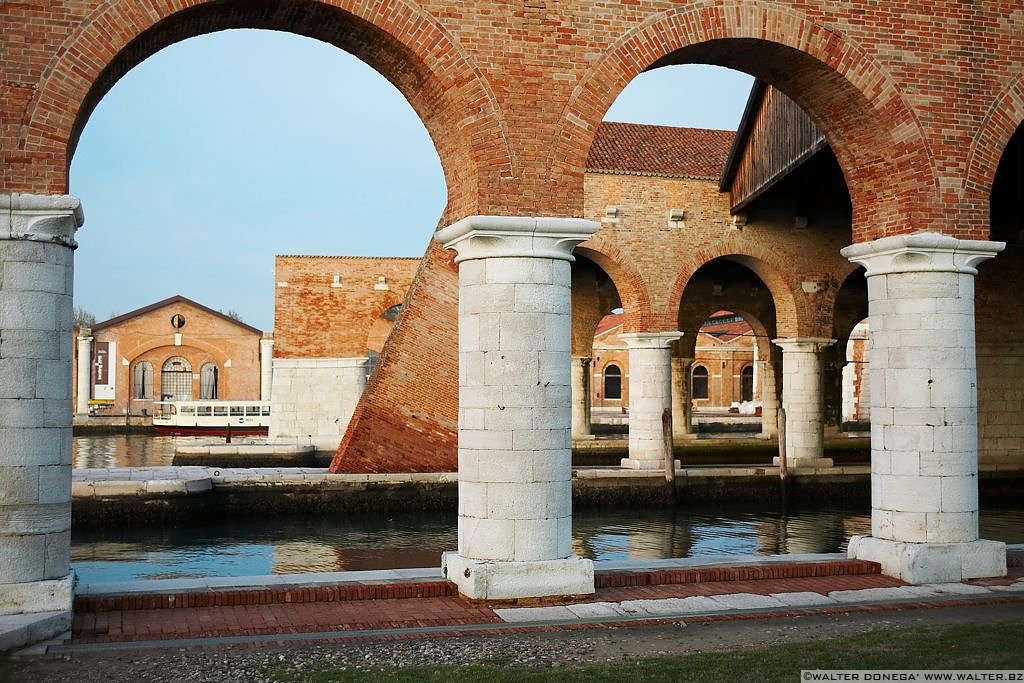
[[104, 371]]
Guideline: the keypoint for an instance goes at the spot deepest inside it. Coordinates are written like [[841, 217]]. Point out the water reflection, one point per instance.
[[293, 545], [133, 450]]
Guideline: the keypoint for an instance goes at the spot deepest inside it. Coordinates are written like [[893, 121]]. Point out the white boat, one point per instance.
[[190, 418]]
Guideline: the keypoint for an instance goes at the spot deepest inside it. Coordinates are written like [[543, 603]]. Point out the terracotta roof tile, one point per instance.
[[640, 149]]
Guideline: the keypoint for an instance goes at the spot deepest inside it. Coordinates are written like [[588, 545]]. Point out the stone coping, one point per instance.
[[246, 449], [192, 480]]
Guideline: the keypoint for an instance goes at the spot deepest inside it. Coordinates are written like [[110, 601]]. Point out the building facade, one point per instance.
[[172, 350]]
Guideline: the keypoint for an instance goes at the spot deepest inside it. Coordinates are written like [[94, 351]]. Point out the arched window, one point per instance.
[[176, 380], [613, 382], [142, 380], [208, 376], [747, 384], [699, 382]]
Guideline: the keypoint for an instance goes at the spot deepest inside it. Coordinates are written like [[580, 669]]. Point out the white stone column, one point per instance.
[[515, 461], [802, 400], [84, 375], [36, 265], [924, 415], [581, 398], [769, 401], [681, 404], [266, 366], [650, 398]]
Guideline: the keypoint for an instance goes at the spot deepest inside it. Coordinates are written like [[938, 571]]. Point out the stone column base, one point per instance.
[[804, 463], [636, 464], [932, 562], [55, 595], [483, 580]]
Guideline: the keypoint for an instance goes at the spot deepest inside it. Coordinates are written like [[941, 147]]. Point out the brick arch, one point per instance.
[[379, 329], [403, 43], [1004, 117], [789, 315], [888, 167], [633, 294]]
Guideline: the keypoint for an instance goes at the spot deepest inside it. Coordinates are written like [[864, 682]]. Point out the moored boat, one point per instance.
[[196, 418]]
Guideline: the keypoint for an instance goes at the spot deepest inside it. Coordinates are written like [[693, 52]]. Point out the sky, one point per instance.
[[219, 152]]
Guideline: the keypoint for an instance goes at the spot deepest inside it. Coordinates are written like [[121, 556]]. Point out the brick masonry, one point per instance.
[[917, 100]]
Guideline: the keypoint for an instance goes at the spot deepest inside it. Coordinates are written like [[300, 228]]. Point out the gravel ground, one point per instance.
[[540, 650]]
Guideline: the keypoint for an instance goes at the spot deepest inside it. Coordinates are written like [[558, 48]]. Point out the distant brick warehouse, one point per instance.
[[175, 349], [907, 157]]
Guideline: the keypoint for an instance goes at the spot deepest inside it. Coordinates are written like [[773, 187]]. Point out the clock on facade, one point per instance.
[[177, 321]]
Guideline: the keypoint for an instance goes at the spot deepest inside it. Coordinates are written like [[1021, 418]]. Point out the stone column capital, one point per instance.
[[84, 336], [479, 237], [927, 252], [649, 340], [584, 361], [40, 218], [803, 344]]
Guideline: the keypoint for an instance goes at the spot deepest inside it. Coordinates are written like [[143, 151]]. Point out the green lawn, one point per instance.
[[972, 646]]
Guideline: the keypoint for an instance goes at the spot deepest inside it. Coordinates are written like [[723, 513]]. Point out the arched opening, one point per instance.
[[727, 316], [209, 377], [142, 380], [856, 379], [612, 382], [595, 347], [700, 383], [176, 380], [999, 318], [747, 384], [213, 118]]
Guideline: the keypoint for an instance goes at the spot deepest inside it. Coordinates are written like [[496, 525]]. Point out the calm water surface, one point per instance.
[[246, 547]]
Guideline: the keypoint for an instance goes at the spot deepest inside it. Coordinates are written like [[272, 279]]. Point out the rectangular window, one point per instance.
[[237, 411], [220, 411], [188, 410], [252, 410], [266, 410], [203, 411]]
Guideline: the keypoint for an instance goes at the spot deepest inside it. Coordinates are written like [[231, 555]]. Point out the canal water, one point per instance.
[[247, 547]]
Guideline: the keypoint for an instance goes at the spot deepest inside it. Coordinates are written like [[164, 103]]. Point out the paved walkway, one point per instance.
[[419, 603]]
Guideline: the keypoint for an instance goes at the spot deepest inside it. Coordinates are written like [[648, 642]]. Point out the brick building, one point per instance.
[[906, 181], [175, 349]]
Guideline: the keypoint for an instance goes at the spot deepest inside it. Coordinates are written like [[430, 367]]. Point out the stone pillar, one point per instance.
[[802, 400], [681, 404], [36, 261], [924, 415], [515, 461], [769, 401], [581, 398], [266, 366], [650, 397], [84, 372]]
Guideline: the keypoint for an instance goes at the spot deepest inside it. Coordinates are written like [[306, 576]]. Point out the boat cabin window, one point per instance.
[[203, 411], [188, 410], [266, 410], [237, 411], [220, 411], [252, 410]]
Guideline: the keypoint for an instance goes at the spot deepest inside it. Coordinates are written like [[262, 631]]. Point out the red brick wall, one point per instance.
[[917, 98], [316, 317], [407, 418]]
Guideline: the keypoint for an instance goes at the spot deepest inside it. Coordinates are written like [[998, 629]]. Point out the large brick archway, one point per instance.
[[1002, 120], [876, 137], [406, 46]]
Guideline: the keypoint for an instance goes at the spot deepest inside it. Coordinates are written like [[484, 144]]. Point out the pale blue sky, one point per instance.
[[219, 152]]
